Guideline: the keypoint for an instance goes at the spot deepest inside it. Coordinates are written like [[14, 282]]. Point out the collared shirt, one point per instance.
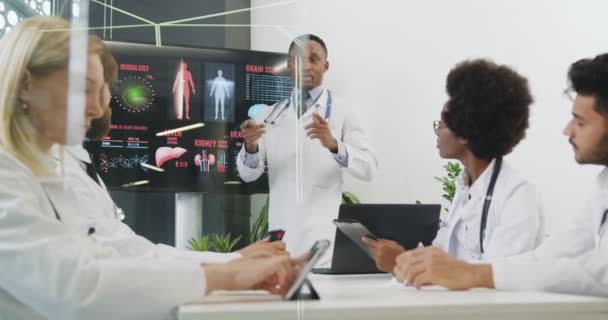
[[574, 260], [252, 159], [313, 95]]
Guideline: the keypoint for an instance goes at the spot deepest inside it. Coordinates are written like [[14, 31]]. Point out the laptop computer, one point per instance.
[[407, 224]]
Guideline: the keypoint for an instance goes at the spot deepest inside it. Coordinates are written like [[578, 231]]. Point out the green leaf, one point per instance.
[[448, 182], [260, 226], [350, 198], [201, 244], [224, 243], [233, 243]]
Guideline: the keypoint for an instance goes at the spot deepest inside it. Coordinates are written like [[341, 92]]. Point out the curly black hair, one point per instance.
[[590, 77], [489, 106]]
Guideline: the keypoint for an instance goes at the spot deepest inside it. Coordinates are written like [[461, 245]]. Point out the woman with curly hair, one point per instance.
[[496, 211]]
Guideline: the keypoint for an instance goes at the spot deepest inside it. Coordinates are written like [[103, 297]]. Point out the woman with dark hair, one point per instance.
[[496, 212]]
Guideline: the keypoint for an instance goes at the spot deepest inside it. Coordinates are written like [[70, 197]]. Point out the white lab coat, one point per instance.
[[52, 269], [515, 222], [574, 260], [109, 230], [305, 201]]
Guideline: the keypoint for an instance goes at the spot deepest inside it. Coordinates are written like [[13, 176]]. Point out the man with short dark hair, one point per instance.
[[307, 140], [573, 261]]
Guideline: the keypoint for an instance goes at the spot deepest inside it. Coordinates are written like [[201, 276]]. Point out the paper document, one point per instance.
[[223, 296]]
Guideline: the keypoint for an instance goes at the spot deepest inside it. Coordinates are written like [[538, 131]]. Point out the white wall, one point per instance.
[[389, 58]]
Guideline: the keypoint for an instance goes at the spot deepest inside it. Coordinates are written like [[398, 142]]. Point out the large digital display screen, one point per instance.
[[196, 100]]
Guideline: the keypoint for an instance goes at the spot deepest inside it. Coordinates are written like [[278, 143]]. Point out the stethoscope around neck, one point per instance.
[[119, 213], [486, 204], [487, 201], [602, 228], [283, 105]]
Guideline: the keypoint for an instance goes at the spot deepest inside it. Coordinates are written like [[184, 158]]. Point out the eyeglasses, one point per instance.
[[438, 124]]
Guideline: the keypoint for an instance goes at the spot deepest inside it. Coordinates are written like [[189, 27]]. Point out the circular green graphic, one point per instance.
[[135, 94]]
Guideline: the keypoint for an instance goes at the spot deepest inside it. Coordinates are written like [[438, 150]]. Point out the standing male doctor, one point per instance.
[[307, 141]]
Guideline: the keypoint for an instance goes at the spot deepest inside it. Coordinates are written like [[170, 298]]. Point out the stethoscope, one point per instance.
[[90, 231], [486, 204], [283, 105], [119, 213], [488, 201], [602, 228]]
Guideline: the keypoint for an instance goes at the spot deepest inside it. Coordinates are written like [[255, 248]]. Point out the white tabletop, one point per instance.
[[377, 297]]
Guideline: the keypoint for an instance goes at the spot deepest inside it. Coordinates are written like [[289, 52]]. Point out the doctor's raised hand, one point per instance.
[[252, 132], [433, 266], [319, 129]]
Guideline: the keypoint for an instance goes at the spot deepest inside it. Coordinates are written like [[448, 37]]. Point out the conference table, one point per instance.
[[378, 297]]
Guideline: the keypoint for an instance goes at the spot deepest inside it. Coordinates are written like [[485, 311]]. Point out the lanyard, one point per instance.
[[487, 201], [282, 106], [92, 173]]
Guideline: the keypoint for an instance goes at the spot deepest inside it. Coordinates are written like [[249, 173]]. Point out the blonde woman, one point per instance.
[[51, 267]]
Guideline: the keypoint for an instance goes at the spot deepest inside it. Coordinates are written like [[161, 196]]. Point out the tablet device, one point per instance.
[[225, 296], [355, 231], [314, 255]]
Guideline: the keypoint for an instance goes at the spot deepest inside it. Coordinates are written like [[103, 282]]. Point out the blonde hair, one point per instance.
[[28, 48], [40, 46]]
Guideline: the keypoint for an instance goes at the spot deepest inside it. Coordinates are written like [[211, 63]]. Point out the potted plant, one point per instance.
[[448, 183], [201, 244], [223, 243], [260, 226]]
